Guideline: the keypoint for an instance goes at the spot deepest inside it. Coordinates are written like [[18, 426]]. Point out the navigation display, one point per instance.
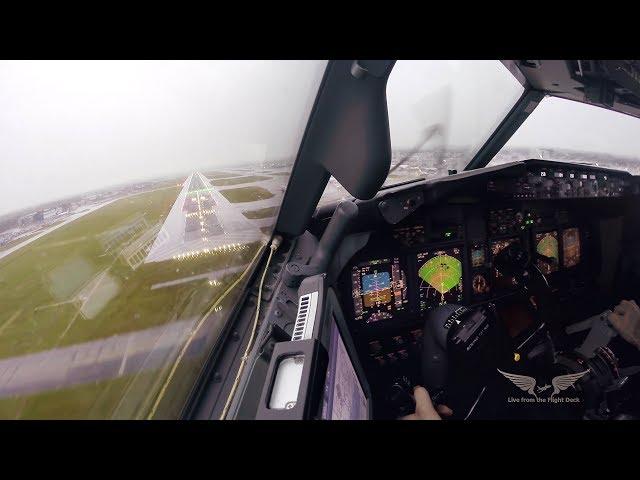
[[547, 245], [440, 277], [571, 247], [379, 289]]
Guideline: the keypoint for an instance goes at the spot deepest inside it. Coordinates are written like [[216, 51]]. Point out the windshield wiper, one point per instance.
[[429, 133]]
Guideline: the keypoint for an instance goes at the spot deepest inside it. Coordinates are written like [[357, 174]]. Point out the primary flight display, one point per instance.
[[379, 289]]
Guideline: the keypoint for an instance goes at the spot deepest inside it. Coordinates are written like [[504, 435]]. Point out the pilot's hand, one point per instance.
[[424, 407], [626, 320]]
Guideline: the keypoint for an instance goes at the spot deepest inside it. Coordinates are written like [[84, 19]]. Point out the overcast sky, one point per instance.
[[68, 127], [557, 122], [470, 98]]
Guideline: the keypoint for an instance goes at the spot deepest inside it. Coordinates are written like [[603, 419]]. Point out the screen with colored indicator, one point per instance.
[[379, 289], [440, 277], [547, 245], [571, 247], [478, 255]]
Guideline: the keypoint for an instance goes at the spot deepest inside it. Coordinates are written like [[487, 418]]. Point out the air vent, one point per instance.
[[306, 317]]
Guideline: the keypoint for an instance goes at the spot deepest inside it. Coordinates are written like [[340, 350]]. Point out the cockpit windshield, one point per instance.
[[135, 199], [569, 131], [440, 114]]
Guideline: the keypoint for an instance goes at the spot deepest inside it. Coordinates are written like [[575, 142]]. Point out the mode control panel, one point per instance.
[[542, 182]]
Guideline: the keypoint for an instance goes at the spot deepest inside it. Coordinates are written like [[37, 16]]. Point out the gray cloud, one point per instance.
[[474, 96], [68, 127]]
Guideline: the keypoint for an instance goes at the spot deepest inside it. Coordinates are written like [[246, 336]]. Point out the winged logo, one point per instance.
[[523, 382], [562, 382], [528, 384]]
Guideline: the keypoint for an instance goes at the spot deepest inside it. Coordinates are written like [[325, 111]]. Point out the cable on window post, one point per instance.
[[275, 243]]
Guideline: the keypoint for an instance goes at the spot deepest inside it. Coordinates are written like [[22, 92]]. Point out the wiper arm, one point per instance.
[[429, 133]]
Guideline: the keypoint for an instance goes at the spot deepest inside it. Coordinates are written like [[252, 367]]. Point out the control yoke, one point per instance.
[[344, 214]]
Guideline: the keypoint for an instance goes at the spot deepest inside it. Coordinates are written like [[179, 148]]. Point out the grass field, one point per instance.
[[39, 287], [33, 279], [123, 398], [238, 180], [261, 213], [38, 279], [246, 194], [98, 400]]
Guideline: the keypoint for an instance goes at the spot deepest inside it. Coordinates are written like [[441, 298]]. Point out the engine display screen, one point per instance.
[[379, 289], [571, 247], [547, 245], [478, 257], [440, 277]]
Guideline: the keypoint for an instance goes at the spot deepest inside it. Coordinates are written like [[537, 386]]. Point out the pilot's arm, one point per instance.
[[424, 407], [626, 320]]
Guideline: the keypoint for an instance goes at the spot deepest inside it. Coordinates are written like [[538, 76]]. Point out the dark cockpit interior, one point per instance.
[[439, 243]]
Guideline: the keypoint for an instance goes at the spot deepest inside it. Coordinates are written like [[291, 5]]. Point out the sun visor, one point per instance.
[[349, 135], [612, 84]]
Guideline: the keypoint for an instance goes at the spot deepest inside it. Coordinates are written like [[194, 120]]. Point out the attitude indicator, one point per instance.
[[379, 289]]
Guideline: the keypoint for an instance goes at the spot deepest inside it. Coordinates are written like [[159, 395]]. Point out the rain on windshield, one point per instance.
[[136, 198]]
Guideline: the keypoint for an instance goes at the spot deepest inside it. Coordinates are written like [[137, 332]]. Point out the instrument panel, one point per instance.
[[442, 250], [447, 257], [555, 182]]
